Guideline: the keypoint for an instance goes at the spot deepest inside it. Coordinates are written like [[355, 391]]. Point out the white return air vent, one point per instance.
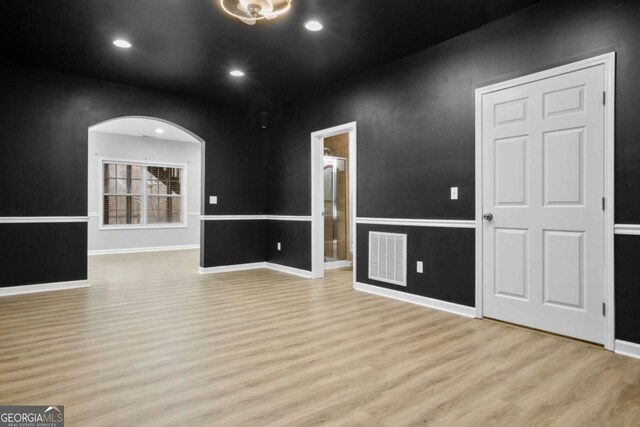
[[388, 257]]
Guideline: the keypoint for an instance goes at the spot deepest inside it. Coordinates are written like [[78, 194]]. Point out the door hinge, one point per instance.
[[604, 98], [604, 309], [604, 203]]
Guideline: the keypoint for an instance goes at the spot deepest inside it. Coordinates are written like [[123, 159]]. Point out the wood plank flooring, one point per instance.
[[154, 343]]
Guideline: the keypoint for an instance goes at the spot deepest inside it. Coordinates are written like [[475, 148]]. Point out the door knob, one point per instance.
[[488, 216]]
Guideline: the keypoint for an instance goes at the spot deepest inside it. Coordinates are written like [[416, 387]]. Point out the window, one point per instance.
[[142, 195]]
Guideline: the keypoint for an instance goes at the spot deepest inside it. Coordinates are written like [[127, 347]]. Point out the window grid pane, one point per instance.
[[122, 210], [164, 210], [123, 193]]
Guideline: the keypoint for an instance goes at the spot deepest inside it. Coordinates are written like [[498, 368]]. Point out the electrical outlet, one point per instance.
[[213, 200], [279, 246], [419, 267], [454, 193]]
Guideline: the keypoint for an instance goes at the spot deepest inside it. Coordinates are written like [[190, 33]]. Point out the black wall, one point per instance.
[[448, 261], [233, 242], [416, 134], [44, 121], [42, 253], [628, 288], [295, 239]]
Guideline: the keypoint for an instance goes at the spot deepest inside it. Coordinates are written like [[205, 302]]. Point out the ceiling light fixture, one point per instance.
[[237, 73], [122, 44], [251, 11], [313, 26], [160, 131]]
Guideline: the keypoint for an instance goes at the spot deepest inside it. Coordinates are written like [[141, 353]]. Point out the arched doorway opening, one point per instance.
[[145, 179]]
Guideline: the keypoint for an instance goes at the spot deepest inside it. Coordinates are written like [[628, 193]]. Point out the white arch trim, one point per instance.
[[146, 126]]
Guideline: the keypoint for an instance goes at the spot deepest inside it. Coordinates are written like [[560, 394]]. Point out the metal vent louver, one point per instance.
[[388, 257]]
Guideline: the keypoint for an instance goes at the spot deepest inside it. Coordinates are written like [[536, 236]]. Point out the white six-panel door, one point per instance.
[[543, 185]]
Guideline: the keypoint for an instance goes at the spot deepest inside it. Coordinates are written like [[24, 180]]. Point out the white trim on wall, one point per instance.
[[93, 127], [289, 270], [143, 227], [256, 265], [444, 223], [334, 265], [317, 203], [255, 217], [626, 348], [41, 219], [230, 268], [628, 229], [609, 62], [288, 218], [140, 250], [436, 304], [42, 287], [232, 217]]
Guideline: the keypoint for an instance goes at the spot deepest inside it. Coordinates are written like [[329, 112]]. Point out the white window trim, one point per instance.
[[183, 188]]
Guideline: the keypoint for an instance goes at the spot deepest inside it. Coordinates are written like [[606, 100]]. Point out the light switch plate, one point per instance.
[[213, 200], [419, 267], [454, 193]]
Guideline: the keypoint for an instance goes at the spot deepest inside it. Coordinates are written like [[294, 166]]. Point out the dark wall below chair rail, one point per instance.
[[295, 239], [42, 253], [447, 254], [233, 242], [627, 298]]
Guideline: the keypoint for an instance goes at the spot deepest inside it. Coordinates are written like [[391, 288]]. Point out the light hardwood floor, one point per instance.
[[154, 343]]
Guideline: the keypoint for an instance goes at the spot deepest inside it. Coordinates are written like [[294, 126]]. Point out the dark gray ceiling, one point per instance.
[[188, 46]]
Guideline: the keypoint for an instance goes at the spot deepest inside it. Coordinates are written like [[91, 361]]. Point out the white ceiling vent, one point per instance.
[[388, 257]]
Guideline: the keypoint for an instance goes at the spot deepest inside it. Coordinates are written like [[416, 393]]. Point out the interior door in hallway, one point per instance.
[[542, 200]]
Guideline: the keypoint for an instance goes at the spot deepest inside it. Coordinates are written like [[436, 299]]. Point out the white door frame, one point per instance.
[[608, 60], [317, 199]]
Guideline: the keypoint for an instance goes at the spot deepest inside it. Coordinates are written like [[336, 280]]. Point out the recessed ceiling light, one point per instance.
[[313, 25], [122, 43], [160, 131], [237, 73]]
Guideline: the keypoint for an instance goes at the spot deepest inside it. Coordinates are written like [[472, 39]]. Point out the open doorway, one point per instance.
[[333, 192], [337, 229], [144, 186]]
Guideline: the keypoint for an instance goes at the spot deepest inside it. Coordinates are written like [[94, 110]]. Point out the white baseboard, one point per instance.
[[230, 268], [138, 250], [289, 270], [450, 307], [332, 265], [43, 287], [253, 266], [627, 348]]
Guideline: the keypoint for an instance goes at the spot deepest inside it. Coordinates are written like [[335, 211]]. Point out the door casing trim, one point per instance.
[[317, 221], [609, 62]]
